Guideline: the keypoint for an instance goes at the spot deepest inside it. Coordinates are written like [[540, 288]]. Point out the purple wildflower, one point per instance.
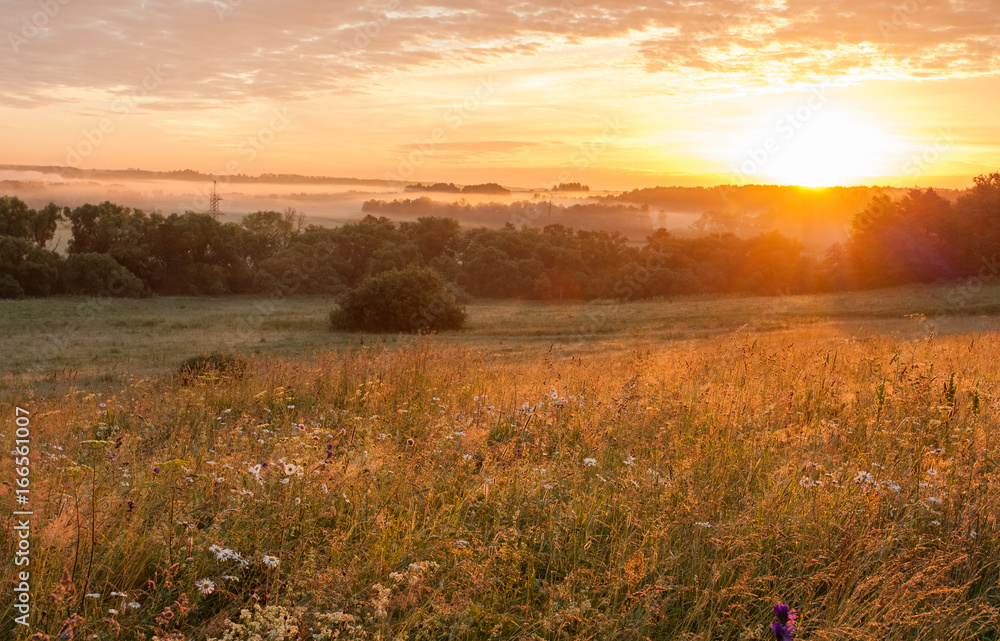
[[781, 633], [784, 614], [156, 470], [784, 627]]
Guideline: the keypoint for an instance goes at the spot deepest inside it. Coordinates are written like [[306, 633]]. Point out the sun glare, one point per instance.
[[831, 148]]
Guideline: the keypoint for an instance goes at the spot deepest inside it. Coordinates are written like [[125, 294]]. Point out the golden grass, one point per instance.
[[664, 489]]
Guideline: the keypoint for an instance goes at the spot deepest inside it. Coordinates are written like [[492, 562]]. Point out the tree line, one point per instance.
[[120, 251]]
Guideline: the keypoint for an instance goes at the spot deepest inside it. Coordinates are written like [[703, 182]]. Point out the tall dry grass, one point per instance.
[[432, 491]]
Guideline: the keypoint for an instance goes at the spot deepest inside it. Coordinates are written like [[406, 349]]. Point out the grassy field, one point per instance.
[[662, 470], [86, 341]]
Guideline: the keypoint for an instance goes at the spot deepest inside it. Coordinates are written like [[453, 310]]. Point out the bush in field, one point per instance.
[[411, 300], [225, 363], [92, 274]]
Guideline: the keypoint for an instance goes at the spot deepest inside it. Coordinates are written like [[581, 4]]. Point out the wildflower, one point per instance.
[[409, 441], [156, 470], [781, 633], [290, 469], [121, 594], [92, 595], [590, 461], [784, 627], [466, 457], [69, 626], [863, 477], [131, 506], [205, 586], [934, 500], [270, 561], [461, 543], [112, 611], [134, 605], [703, 524]]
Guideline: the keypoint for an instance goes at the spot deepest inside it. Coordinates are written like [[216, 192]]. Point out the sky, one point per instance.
[[612, 94]]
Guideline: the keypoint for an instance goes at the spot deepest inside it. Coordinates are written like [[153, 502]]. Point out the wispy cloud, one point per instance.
[[301, 49]]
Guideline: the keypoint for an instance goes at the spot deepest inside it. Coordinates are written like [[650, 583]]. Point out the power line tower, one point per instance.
[[213, 202]]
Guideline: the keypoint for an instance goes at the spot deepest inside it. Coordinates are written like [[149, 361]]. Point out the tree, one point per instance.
[[125, 234], [26, 269], [93, 274], [15, 217], [267, 232], [433, 235], [410, 300]]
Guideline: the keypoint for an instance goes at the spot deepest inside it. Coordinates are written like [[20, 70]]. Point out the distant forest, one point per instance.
[[118, 251]]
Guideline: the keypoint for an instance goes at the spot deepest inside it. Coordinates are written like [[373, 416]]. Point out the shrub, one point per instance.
[[409, 300], [224, 363]]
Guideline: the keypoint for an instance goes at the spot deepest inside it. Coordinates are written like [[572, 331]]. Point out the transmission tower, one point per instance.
[[213, 201]]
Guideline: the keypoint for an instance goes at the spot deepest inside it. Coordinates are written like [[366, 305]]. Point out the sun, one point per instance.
[[829, 148]]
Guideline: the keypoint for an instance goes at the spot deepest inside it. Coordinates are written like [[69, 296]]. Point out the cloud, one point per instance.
[[215, 53]]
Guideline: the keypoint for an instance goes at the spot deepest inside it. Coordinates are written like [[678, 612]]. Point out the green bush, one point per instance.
[[409, 300]]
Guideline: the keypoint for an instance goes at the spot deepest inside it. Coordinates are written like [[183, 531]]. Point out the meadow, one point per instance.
[[604, 470]]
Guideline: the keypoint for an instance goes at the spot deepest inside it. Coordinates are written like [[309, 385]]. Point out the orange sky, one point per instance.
[[614, 94]]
